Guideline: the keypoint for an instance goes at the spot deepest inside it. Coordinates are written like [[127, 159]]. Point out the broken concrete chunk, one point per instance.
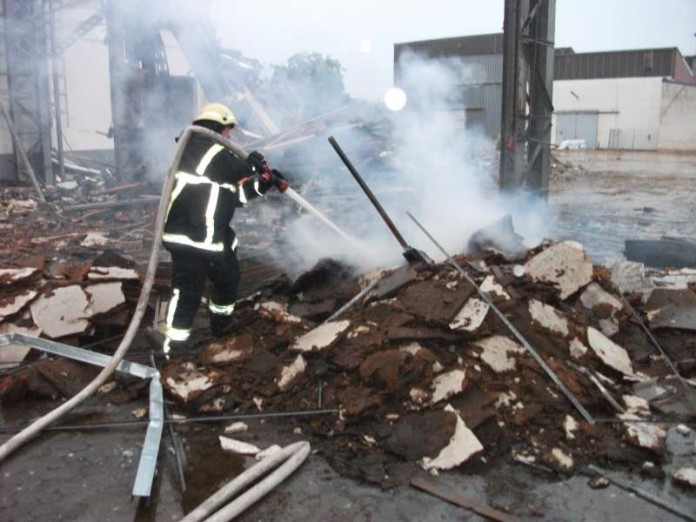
[[609, 327], [563, 264], [105, 296], [94, 239], [570, 426], [685, 477], [236, 427], [629, 276], [643, 434], [462, 446], [188, 383], [497, 351], [64, 312], [609, 352], [237, 446], [683, 430], [493, 289], [636, 405], [111, 272], [321, 337], [9, 276], [279, 312], [561, 458], [471, 316], [548, 317], [229, 351], [289, 373], [595, 295], [447, 385], [577, 348], [12, 304]]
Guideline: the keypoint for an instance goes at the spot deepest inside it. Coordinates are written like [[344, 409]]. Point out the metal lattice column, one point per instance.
[[28, 81], [525, 155]]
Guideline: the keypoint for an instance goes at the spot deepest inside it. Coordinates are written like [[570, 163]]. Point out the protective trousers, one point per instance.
[[189, 273]]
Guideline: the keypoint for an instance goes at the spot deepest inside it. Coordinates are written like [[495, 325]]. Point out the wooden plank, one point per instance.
[[458, 500]]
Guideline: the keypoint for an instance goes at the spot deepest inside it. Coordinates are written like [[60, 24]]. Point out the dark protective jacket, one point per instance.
[[212, 181]]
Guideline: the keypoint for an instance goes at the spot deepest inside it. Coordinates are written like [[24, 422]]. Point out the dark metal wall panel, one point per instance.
[[621, 64], [457, 46]]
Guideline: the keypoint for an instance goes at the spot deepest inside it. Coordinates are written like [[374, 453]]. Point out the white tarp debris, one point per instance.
[[461, 447], [548, 317], [609, 352], [291, 371], [321, 337], [497, 351], [563, 264], [237, 446], [64, 312], [471, 316]]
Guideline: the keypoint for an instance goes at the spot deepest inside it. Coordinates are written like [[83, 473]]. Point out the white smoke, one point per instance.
[[444, 174]]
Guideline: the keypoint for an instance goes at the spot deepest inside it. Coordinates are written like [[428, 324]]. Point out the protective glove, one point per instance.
[[279, 181], [257, 161]]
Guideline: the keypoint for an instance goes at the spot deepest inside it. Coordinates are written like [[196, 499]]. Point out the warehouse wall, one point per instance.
[[628, 109], [678, 116]]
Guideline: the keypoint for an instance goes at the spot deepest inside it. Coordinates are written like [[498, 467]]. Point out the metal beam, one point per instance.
[[528, 52]]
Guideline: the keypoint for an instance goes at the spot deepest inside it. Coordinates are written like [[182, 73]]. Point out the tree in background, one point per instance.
[[309, 85]]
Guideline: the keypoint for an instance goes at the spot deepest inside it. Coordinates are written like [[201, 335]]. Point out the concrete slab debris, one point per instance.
[[471, 315], [187, 383], [461, 448], [564, 264], [321, 337], [104, 297], [237, 446], [10, 276], [229, 351], [630, 276], [291, 372], [577, 348], [685, 477], [447, 385], [494, 290], [609, 352], [279, 312], [498, 352], [562, 459], [548, 317], [595, 295], [643, 434], [237, 427], [112, 272], [64, 312], [10, 305]]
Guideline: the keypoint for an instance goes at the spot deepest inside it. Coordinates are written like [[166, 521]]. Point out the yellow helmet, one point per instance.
[[217, 112]]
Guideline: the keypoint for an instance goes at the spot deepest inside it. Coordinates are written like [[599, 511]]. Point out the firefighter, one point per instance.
[[211, 182]]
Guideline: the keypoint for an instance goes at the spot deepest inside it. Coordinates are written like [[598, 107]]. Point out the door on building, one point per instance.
[[577, 126]]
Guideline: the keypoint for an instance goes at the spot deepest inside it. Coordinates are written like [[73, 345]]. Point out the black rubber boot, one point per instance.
[[219, 324], [177, 349]]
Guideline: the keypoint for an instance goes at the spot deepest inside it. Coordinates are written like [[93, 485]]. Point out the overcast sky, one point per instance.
[[361, 33]]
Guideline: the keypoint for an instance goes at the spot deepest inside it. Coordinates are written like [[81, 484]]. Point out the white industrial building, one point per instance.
[[637, 99]]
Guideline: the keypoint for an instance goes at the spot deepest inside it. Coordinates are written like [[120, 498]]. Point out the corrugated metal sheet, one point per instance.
[[486, 68]]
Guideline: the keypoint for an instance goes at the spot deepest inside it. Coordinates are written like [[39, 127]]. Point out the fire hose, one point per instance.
[[35, 428]]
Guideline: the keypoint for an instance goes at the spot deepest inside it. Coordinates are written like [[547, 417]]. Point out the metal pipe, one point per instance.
[[510, 326]]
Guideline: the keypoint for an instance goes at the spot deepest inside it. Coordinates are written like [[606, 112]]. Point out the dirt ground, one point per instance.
[[88, 475]]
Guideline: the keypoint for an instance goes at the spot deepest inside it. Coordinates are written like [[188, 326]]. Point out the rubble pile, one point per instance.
[[422, 372]]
